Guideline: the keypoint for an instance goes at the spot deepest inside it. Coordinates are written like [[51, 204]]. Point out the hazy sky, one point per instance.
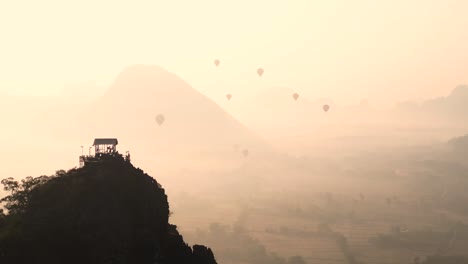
[[347, 50]]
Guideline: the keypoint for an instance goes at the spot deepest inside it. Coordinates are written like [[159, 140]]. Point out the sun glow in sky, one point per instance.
[[347, 50]]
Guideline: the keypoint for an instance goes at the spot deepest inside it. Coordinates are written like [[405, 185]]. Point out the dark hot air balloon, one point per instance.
[[160, 119], [228, 96], [326, 108], [216, 62], [295, 96], [260, 72], [245, 152]]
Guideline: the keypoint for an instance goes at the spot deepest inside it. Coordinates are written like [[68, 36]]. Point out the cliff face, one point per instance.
[[108, 212]]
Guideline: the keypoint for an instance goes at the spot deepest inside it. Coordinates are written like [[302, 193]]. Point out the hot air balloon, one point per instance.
[[404, 229], [245, 152], [160, 119], [260, 72], [364, 103], [228, 96], [326, 107], [295, 96], [216, 62]]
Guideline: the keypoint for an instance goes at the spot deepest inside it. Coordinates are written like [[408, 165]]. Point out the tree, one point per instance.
[[20, 192], [107, 212], [2, 218]]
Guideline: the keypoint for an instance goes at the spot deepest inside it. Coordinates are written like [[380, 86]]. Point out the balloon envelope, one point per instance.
[[228, 96], [216, 62], [295, 96], [245, 152], [326, 108], [160, 119], [260, 72]]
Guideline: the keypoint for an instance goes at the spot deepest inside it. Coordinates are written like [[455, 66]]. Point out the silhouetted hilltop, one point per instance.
[[109, 212]]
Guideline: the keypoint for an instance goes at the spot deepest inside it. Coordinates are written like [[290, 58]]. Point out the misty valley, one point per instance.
[[275, 178]]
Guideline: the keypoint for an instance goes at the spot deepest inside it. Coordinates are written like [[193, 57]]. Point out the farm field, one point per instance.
[[309, 229]]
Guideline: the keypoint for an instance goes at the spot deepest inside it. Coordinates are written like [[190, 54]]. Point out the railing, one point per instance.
[[102, 157]]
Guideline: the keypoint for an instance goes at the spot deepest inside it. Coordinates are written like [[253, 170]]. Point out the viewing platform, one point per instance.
[[104, 149]]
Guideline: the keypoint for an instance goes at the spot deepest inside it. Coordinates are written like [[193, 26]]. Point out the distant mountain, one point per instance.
[[282, 98], [452, 106], [459, 144], [301, 124], [194, 126], [195, 129], [275, 114], [444, 117], [276, 107]]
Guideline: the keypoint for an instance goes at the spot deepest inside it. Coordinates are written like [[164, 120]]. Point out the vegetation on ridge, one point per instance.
[[108, 212]]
